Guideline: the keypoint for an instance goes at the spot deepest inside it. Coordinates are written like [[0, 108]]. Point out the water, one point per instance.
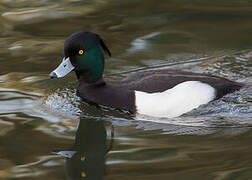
[[47, 133]]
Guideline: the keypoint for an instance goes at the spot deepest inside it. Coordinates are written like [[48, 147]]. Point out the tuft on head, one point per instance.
[[103, 45], [83, 38]]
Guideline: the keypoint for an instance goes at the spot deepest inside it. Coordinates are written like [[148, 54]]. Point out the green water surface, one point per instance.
[[47, 133]]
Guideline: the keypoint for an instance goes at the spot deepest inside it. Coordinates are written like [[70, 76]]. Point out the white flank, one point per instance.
[[176, 101]]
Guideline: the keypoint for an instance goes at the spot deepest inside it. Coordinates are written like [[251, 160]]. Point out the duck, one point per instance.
[[159, 93]]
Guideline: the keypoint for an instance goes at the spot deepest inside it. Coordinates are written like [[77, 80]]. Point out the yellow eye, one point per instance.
[[81, 52]]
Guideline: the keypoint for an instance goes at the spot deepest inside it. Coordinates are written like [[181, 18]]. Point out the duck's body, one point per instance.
[[173, 92], [163, 93]]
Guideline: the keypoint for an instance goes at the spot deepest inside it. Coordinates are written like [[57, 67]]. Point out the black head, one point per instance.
[[83, 39], [83, 54]]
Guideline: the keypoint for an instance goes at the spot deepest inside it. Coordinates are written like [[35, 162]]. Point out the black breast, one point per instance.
[[110, 94]]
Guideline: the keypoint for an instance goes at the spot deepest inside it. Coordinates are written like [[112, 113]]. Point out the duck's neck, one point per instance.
[[85, 81]]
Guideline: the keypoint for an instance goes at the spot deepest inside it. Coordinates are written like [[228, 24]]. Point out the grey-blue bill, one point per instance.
[[63, 69]]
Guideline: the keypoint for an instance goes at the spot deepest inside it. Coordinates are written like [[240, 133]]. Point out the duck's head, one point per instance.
[[84, 55]]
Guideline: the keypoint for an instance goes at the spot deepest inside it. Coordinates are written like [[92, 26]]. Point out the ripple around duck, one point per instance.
[[232, 111]]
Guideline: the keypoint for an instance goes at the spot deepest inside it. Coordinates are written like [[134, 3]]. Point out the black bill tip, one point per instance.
[[53, 75]]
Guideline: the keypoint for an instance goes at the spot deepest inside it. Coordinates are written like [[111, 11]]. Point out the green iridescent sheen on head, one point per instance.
[[92, 62], [89, 65]]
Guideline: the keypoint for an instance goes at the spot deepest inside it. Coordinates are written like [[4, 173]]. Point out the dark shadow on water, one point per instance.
[[86, 160]]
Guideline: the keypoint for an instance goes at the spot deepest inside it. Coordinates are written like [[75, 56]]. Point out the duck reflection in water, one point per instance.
[[87, 158]]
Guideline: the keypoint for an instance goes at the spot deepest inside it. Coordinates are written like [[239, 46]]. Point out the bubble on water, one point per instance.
[[64, 101]]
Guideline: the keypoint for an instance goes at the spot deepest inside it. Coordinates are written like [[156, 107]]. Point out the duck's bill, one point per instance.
[[63, 69]]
